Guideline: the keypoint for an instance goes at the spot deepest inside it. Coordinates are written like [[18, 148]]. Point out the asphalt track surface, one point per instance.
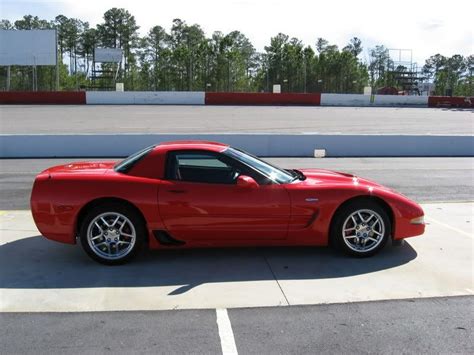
[[424, 325], [423, 179], [36, 119], [414, 326]]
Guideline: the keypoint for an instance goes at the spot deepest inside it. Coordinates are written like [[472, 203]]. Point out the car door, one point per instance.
[[200, 201]]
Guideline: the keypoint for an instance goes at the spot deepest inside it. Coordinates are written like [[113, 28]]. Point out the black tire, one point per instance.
[[344, 213], [113, 208]]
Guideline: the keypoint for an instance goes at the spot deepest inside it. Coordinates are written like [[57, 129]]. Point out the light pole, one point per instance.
[[304, 74], [228, 74]]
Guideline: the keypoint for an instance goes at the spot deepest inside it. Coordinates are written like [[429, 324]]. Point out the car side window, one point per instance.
[[203, 167], [199, 161]]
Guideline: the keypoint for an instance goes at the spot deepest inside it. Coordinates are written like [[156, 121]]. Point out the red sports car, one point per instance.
[[190, 194]]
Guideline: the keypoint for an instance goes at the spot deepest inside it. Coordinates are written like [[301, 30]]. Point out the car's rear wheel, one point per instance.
[[361, 228], [112, 233]]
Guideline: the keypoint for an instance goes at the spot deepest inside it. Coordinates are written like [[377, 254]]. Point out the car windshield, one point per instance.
[[126, 164], [273, 173]]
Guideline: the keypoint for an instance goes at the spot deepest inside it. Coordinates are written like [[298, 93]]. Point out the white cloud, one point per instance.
[[427, 27]]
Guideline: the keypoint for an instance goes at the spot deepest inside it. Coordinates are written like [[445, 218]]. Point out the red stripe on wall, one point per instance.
[[451, 101], [234, 98], [44, 97]]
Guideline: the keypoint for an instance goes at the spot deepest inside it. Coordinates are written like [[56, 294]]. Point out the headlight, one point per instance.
[[418, 220]]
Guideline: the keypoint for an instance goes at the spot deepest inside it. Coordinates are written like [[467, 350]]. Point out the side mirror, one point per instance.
[[246, 181]]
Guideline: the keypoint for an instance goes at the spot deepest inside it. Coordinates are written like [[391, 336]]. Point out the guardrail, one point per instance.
[[296, 145], [232, 98]]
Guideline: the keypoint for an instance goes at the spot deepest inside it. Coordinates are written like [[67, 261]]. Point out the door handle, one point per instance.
[[177, 191]]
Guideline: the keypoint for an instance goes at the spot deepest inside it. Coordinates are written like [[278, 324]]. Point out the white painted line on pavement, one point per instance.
[[225, 333], [454, 229]]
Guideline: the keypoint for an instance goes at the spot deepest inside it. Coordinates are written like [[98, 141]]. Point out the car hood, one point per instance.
[[96, 167], [322, 176]]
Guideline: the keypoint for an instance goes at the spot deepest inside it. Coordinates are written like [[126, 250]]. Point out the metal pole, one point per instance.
[[33, 78], [57, 63], [36, 77], [304, 64], [228, 72], [75, 69], [8, 77], [34, 74]]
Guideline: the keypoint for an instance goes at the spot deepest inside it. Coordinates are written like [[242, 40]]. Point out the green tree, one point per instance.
[[379, 63], [452, 74], [354, 47], [321, 44], [185, 42], [185, 59], [87, 42], [6, 25], [298, 69], [29, 22], [155, 56], [120, 30]]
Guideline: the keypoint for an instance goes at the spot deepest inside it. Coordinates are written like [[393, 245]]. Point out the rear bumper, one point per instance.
[[55, 222], [54, 226]]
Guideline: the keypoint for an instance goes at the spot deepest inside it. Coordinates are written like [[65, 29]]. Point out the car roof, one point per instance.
[[153, 164], [192, 145]]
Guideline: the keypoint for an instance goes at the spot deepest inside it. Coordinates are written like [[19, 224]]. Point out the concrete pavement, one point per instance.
[[43, 276]]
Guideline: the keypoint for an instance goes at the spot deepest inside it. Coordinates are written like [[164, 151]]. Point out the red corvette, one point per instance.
[[202, 194]]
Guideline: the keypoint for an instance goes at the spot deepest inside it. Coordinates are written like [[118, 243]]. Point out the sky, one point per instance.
[[425, 27]]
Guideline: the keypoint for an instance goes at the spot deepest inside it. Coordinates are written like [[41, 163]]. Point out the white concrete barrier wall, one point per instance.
[[400, 100], [117, 145], [144, 98], [198, 98], [376, 100], [345, 100]]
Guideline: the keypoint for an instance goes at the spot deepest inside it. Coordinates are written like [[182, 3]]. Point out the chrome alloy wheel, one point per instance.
[[363, 230], [111, 235]]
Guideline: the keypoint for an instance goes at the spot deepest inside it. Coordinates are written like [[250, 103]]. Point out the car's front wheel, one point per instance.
[[111, 233], [361, 228]]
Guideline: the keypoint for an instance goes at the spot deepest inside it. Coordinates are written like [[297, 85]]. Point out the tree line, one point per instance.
[[184, 59]]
